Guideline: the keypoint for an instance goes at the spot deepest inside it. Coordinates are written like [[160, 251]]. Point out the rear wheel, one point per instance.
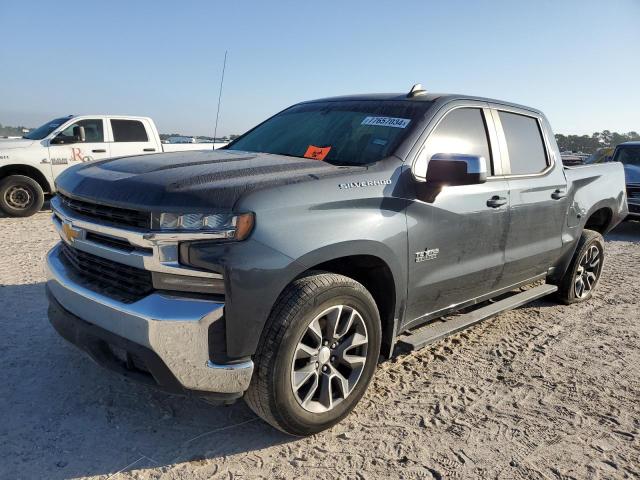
[[20, 196], [317, 354], [583, 274]]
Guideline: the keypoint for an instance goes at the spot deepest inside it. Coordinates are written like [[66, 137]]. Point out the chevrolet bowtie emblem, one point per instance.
[[70, 234]]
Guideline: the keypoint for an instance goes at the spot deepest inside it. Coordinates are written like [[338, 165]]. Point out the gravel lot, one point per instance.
[[545, 391]]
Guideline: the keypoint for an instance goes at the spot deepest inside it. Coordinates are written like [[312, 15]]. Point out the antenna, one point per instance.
[[215, 131], [416, 90]]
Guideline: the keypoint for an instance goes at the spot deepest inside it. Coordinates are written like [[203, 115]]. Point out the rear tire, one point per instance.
[[20, 196], [583, 274], [317, 354]]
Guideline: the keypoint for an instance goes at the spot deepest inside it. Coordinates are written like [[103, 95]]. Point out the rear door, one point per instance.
[[457, 235], [538, 193], [131, 137], [71, 150]]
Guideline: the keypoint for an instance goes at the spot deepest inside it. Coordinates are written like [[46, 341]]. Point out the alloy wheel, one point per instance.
[[588, 272], [329, 358]]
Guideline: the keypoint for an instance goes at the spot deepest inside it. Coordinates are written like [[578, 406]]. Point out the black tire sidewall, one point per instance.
[[28, 183], [290, 413]]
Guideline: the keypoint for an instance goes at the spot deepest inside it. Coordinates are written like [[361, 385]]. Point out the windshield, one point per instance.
[[44, 130], [341, 133], [628, 156], [630, 159]]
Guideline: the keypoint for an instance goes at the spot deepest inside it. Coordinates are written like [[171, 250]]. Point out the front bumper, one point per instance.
[[171, 331], [634, 207]]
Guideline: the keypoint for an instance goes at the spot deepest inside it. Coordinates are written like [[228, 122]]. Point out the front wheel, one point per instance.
[[583, 274], [317, 354], [20, 196]]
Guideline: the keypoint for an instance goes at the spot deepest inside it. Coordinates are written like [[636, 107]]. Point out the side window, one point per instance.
[[524, 142], [93, 131], [462, 130], [128, 131]]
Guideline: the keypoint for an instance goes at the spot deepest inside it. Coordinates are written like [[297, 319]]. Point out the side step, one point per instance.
[[440, 329]]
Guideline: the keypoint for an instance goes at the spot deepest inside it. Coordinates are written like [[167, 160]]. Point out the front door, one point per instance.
[[67, 147], [457, 238]]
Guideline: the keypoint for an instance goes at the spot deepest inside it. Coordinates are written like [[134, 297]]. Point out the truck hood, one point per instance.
[[193, 181], [11, 143]]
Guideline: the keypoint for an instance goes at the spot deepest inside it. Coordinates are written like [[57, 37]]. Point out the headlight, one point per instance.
[[234, 227]]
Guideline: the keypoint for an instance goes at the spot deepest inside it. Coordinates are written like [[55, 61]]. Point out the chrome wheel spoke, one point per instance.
[[587, 272], [315, 330], [310, 393], [305, 351], [300, 377], [326, 392], [343, 382], [333, 320], [354, 360]]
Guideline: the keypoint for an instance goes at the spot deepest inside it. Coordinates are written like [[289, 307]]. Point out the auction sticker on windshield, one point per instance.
[[386, 122], [317, 153]]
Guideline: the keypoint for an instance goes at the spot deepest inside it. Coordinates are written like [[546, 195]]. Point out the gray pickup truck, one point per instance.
[[283, 267]]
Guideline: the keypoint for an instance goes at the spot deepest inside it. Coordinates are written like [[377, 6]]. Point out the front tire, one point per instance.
[[20, 196], [317, 354], [583, 274]]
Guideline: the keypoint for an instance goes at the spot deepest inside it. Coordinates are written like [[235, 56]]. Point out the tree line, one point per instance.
[[594, 142]]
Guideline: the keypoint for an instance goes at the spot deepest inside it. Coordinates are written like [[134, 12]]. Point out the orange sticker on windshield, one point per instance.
[[317, 153]]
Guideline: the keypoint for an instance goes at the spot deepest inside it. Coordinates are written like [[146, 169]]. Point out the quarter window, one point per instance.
[[128, 131], [524, 142], [462, 130]]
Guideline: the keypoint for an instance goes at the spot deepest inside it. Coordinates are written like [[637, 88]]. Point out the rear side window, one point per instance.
[[461, 131], [524, 142], [128, 131]]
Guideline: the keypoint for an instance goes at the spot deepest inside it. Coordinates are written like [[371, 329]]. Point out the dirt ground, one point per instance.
[[545, 391]]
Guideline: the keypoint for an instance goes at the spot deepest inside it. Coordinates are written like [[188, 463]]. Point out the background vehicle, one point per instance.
[[30, 165], [628, 154], [285, 264]]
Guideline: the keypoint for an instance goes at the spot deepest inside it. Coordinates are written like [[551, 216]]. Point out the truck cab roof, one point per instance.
[[440, 98]]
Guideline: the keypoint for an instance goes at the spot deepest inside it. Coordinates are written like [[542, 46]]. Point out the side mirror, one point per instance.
[[456, 169], [78, 134]]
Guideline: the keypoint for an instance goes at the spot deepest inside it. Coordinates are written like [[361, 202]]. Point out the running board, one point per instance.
[[440, 329]]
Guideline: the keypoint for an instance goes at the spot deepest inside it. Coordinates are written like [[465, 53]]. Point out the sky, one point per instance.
[[576, 60]]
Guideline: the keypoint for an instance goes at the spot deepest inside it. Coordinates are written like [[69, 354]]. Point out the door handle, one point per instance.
[[496, 201], [99, 150], [148, 149], [558, 194]]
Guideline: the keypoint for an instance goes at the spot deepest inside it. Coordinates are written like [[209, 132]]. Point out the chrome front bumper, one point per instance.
[[174, 327]]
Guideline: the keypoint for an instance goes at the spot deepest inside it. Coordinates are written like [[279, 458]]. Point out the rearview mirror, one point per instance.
[[456, 169]]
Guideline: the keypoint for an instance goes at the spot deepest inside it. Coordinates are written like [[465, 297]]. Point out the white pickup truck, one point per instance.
[[29, 165]]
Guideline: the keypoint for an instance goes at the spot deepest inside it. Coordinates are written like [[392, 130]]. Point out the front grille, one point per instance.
[[122, 282], [633, 192], [113, 215]]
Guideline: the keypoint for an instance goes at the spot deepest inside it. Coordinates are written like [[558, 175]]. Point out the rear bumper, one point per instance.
[[169, 335]]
